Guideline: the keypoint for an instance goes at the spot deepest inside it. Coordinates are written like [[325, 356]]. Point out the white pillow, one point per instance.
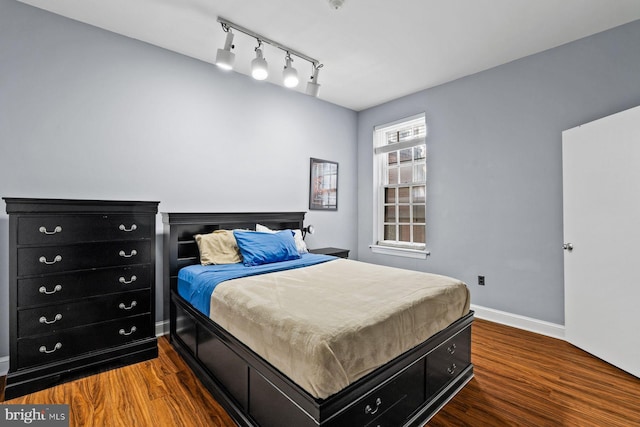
[[297, 237]]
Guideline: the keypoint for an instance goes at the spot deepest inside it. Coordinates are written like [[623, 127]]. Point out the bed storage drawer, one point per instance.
[[448, 360], [229, 368], [394, 401], [270, 407]]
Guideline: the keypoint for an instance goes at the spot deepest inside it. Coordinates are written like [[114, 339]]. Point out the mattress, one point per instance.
[[329, 324]]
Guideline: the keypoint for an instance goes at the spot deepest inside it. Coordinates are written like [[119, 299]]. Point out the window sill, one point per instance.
[[403, 252]]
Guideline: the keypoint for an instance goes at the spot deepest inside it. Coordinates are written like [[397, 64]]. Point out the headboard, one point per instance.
[[180, 248]]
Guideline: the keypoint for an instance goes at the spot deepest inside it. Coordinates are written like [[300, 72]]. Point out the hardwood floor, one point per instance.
[[521, 379]]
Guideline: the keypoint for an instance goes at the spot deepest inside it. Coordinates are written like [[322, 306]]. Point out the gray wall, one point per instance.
[[494, 198], [88, 114]]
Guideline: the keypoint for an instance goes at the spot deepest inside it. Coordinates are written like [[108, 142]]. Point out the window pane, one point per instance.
[[420, 152], [405, 155], [389, 214], [403, 194], [420, 172], [389, 195], [393, 176], [392, 158], [405, 233], [403, 213], [418, 213], [419, 234], [406, 174], [389, 232], [419, 194]]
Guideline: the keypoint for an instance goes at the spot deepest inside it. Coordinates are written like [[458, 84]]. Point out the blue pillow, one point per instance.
[[259, 248]]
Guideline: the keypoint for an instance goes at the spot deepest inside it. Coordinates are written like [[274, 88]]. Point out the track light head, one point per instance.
[[225, 58], [259, 67], [313, 87], [290, 74]]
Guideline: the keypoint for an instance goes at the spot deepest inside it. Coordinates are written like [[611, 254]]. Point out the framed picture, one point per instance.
[[323, 187]]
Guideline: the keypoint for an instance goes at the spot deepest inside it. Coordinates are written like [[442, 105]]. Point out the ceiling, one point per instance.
[[373, 51]]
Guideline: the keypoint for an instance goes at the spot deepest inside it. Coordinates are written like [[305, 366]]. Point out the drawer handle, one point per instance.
[[125, 281], [452, 369], [123, 332], [132, 254], [452, 348], [128, 230], [49, 322], [369, 410], [43, 260], [43, 349], [43, 290], [44, 230], [124, 307]]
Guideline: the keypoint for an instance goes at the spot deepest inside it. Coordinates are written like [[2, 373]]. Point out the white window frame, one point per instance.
[[380, 148]]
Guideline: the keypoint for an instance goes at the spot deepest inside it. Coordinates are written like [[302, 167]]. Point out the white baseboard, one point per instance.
[[521, 322], [162, 328], [4, 365]]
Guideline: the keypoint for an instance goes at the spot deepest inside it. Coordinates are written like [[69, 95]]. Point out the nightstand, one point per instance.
[[342, 253]]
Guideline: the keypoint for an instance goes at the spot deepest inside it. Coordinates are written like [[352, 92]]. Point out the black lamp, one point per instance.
[[308, 229]]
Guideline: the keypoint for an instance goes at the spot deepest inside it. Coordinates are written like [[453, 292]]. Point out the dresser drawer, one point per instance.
[[397, 399], [72, 342], [49, 319], [61, 229], [54, 259], [448, 360], [55, 288]]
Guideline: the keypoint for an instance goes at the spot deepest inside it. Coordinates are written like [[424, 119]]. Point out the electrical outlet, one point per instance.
[[481, 280]]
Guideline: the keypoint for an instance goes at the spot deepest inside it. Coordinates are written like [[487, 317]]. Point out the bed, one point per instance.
[[258, 387]]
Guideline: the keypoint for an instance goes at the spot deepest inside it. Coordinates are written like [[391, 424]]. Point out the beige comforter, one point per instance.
[[327, 325]]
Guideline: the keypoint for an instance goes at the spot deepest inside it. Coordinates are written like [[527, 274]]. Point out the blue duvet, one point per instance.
[[196, 283]]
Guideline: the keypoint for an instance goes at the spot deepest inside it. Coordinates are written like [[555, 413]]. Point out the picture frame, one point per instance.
[[323, 185]]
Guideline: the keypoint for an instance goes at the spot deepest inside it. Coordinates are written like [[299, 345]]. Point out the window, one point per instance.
[[400, 168]]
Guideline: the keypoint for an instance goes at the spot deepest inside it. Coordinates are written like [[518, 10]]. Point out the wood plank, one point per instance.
[[521, 379]]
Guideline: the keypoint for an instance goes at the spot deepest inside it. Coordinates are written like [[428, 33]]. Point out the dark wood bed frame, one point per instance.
[[407, 391]]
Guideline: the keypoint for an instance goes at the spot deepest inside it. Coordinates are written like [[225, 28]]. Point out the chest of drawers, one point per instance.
[[81, 289]]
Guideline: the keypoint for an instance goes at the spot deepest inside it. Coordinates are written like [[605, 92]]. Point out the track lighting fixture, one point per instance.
[[225, 58], [313, 87], [290, 74], [259, 67]]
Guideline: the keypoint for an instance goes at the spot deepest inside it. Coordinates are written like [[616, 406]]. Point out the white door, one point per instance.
[[601, 187]]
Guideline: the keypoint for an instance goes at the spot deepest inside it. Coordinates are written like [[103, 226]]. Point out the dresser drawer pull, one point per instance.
[[43, 349], [132, 254], [132, 330], [43, 260], [369, 410], [44, 230], [49, 322], [128, 230], [124, 307], [43, 290], [125, 281], [452, 369], [452, 348]]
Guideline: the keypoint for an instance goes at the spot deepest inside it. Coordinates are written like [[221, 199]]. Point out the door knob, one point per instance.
[[568, 247]]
